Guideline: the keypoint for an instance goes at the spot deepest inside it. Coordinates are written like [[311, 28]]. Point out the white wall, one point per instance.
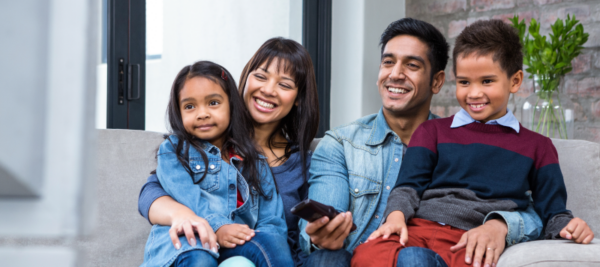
[[356, 28], [49, 58], [227, 32]]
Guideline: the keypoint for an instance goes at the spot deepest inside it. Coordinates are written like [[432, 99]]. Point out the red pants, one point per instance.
[[421, 233]]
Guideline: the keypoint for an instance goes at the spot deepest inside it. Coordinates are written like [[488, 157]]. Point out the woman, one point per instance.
[[279, 89]]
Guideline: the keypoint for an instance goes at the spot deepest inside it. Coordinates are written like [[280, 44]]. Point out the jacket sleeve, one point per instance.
[[522, 226], [149, 193], [177, 182], [271, 217], [328, 171]]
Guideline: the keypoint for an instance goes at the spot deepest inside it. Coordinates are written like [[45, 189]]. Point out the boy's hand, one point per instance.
[[578, 231], [231, 235], [488, 239], [394, 224]]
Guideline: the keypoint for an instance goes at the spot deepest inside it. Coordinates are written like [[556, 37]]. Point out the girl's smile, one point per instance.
[[204, 107]]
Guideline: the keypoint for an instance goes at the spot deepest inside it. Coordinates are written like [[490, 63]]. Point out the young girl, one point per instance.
[[199, 165]]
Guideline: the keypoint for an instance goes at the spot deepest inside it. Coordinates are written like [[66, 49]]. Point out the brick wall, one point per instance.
[[582, 84]]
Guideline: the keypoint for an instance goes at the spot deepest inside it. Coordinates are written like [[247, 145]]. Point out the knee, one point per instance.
[[194, 258]]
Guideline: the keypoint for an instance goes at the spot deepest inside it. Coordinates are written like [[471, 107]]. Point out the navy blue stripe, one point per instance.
[[549, 195]]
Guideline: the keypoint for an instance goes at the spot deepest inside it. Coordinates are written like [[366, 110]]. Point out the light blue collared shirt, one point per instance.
[[463, 118]]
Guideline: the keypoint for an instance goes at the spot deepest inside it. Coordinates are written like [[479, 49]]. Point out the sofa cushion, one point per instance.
[[551, 253]]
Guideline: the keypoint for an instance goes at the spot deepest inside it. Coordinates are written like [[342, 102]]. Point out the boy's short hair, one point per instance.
[[491, 36]]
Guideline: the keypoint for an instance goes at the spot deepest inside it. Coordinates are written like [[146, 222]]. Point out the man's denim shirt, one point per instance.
[[214, 198], [354, 168]]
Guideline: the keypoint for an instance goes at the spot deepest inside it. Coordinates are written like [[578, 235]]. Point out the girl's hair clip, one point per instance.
[[223, 75]]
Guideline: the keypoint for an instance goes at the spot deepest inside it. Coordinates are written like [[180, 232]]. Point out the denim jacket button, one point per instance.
[[231, 187], [356, 190], [387, 187], [212, 166], [197, 167], [396, 159]]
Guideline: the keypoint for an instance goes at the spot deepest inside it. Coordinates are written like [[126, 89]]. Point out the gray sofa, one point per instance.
[[125, 158]]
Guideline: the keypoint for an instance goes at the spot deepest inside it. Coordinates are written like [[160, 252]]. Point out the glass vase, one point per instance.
[[549, 111]]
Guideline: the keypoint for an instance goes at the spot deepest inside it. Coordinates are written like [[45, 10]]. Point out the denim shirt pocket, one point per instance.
[[211, 181], [364, 192]]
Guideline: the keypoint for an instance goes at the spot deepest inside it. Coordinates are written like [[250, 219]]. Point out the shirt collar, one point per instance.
[[463, 118], [381, 129]]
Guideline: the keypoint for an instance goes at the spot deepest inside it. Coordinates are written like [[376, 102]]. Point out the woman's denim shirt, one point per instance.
[[354, 168], [214, 198]]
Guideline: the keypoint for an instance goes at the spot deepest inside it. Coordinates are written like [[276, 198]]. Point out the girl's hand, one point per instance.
[[394, 224], [188, 224], [578, 231], [231, 235]]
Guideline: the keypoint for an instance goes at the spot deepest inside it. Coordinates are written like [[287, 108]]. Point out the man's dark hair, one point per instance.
[[491, 37], [427, 33]]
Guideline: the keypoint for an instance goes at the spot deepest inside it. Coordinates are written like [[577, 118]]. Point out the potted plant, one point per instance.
[[548, 58]]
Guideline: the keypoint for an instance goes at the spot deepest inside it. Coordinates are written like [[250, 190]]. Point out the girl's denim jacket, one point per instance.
[[214, 198]]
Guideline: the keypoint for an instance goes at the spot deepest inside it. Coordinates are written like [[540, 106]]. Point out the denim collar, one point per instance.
[[463, 118], [381, 129], [213, 151]]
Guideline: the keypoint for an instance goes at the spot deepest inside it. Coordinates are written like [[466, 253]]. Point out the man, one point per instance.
[[356, 165]]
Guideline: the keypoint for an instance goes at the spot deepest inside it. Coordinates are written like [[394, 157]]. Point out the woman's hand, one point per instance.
[[188, 224], [488, 239], [231, 235], [394, 224]]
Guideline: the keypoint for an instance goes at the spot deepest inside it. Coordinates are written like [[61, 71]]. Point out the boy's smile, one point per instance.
[[483, 87]]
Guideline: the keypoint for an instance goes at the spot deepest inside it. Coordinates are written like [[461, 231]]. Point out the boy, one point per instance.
[[460, 168]]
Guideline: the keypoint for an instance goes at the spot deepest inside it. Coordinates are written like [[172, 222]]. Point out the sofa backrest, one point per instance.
[[580, 165], [126, 157], [124, 160]]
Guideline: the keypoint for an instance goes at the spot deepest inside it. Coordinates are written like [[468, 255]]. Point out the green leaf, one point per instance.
[[560, 65]]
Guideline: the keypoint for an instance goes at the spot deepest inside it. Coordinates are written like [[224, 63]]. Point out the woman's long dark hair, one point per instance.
[[238, 135], [300, 125]]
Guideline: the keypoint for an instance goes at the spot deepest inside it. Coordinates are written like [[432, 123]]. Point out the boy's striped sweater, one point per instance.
[[457, 176]]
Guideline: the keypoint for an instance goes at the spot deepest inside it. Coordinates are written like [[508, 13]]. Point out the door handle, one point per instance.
[[137, 84]]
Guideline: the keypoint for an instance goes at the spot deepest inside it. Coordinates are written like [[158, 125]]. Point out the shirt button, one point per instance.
[[213, 166], [231, 187], [376, 216], [387, 187], [197, 167], [396, 159], [356, 190]]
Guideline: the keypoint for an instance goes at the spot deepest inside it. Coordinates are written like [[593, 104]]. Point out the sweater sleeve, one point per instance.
[[549, 192], [151, 191], [415, 174]]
